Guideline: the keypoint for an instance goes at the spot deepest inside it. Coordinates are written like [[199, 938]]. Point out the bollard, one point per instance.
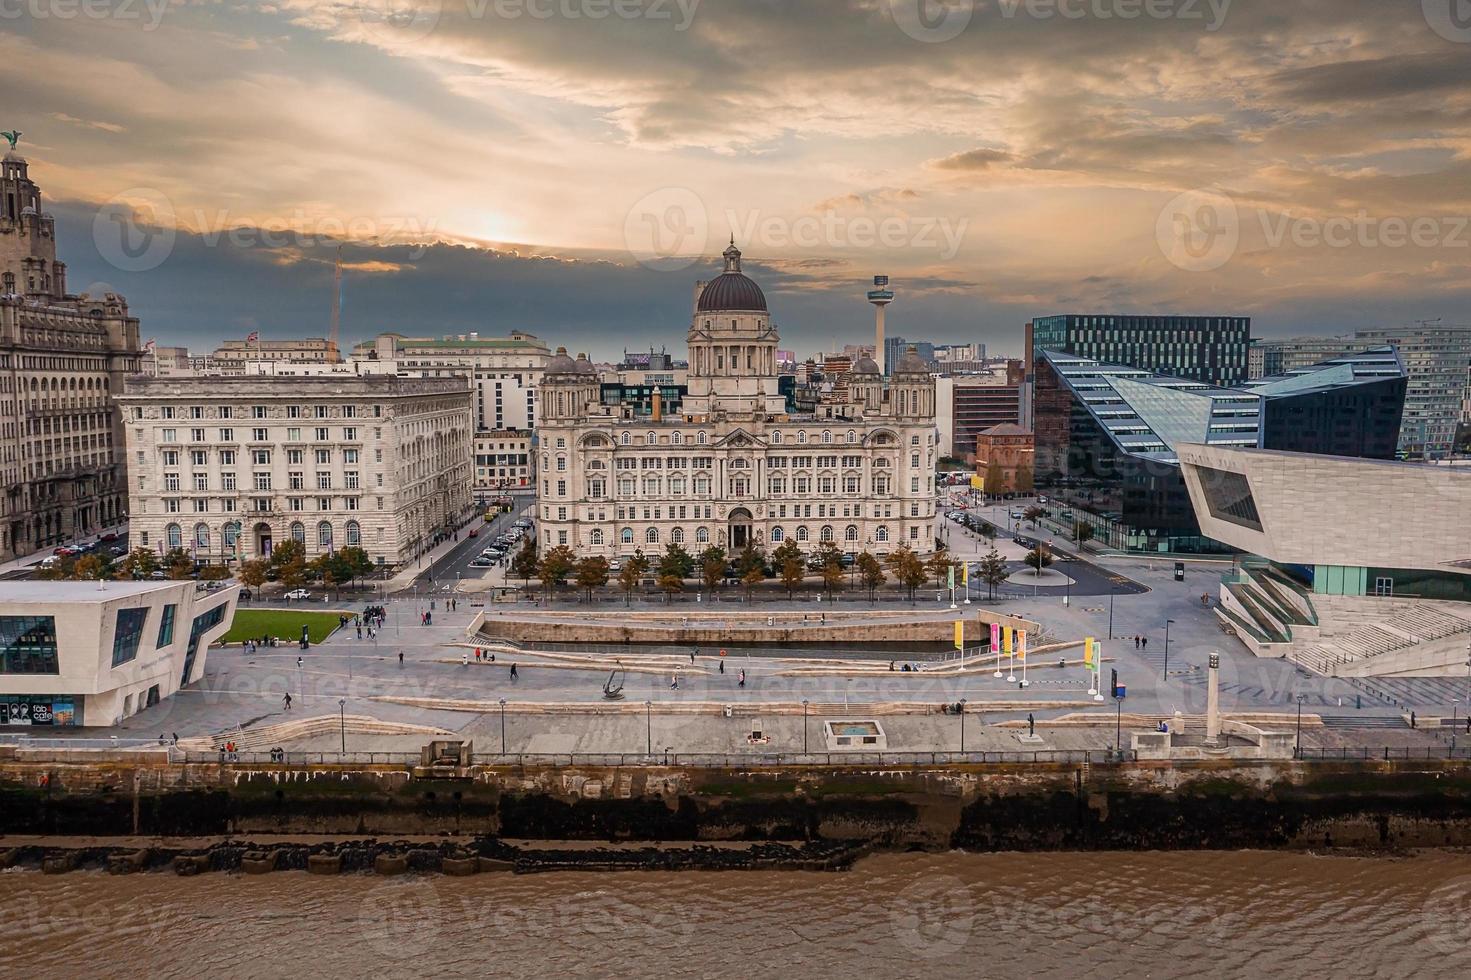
[[186, 865], [258, 862], [60, 862], [460, 866]]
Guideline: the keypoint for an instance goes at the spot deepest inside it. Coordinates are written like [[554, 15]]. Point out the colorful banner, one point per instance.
[[1088, 652], [1021, 644], [978, 482], [952, 576], [995, 637], [1006, 639], [959, 634], [965, 575]]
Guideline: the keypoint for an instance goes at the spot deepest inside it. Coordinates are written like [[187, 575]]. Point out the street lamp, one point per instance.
[[1166, 675], [503, 726], [342, 722], [962, 726], [1297, 749], [649, 728], [804, 726], [1112, 591]]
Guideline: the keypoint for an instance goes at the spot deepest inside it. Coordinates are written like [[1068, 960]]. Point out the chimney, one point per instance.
[[658, 406]]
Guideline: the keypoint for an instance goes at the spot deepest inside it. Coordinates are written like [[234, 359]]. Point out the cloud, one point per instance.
[[970, 161]]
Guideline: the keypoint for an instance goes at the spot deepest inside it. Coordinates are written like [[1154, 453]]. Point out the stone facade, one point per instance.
[[62, 357], [234, 356], [228, 466], [733, 468]]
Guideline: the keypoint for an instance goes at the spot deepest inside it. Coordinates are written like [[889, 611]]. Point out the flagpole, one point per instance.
[[996, 645], [966, 576]]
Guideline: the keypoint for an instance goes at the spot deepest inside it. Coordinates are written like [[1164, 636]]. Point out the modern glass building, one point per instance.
[[1106, 436], [1209, 349], [1437, 357]]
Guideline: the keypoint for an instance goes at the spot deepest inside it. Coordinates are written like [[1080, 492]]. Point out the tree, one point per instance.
[[252, 574], [992, 571], [523, 566], [628, 580], [676, 561], [177, 563], [555, 566], [1033, 514], [140, 563], [592, 573], [995, 479], [670, 584], [354, 563], [751, 557], [908, 570], [712, 566], [285, 553], [293, 574], [830, 567], [1024, 479], [88, 568], [1082, 532], [214, 573], [1038, 558], [870, 573], [939, 566], [754, 576]]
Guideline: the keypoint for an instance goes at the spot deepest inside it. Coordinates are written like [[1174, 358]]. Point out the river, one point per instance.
[[1181, 914]]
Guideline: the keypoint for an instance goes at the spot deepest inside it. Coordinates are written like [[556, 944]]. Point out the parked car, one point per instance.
[[301, 594], [615, 565], [483, 562], [109, 536], [474, 532], [523, 524], [156, 573], [118, 552]]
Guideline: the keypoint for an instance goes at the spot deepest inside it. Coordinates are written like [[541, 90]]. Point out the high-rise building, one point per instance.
[[226, 467], [1269, 358], [966, 407], [734, 467], [64, 356], [1346, 406], [1438, 359], [1208, 349], [895, 348]]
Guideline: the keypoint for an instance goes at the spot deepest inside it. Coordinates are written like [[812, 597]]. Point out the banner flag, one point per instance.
[[959, 634]]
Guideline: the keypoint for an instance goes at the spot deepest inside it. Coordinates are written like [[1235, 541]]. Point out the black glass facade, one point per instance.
[[1209, 349], [28, 645], [1361, 420]]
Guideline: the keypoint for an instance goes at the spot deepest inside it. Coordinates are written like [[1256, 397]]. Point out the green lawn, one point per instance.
[[251, 624]]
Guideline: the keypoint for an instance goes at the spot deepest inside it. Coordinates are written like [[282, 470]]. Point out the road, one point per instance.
[[447, 570]]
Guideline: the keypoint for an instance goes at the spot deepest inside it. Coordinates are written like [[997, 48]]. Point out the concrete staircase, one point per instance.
[[1378, 637]]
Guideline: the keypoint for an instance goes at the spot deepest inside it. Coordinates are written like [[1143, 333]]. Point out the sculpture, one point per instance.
[[13, 136]]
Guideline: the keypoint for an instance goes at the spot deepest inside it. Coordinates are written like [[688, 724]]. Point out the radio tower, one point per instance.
[[880, 296]]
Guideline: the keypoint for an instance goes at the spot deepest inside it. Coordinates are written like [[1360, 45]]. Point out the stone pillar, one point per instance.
[[1213, 701]]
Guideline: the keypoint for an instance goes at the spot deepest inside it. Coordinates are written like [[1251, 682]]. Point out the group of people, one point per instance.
[[251, 646], [1141, 643]]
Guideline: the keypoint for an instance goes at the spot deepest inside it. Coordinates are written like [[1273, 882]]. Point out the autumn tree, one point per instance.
[[908, 570], [870, 573], [592, 573], [555, 566]]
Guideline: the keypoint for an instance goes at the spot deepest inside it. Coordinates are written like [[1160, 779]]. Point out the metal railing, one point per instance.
[[717, 760], [1388, 753]]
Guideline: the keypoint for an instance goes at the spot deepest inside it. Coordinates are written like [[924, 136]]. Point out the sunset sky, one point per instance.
[[570, 167]]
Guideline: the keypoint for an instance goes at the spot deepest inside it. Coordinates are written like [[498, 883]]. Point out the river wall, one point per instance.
[[1376, 805]]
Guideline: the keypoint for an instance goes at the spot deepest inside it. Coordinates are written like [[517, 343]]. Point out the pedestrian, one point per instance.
[[674, 683], [743, 679], [287, 700], [722, 666], [174, 739], [692, 656], [491, 656], [400, 658], [360, 631], [1136, 641], [1412, 719], [513, 672], [1145, 641]]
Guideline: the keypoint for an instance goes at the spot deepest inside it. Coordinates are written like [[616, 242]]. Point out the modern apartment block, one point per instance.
[[1208, 349], [226, 467], [1269, 358], [62, 358], [968, 406], [1438, 359]]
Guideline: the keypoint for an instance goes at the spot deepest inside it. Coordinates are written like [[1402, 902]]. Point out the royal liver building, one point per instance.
[[735, 467]]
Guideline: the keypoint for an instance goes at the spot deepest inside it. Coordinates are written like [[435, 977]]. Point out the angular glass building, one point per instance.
[[1209, 349]]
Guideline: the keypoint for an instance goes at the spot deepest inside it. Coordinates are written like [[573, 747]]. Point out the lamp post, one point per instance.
[[962, 726], [1166, 675], [342, 722], [804, 726], [503, 726], [649, 727], [1297, 749], [1112, 590]]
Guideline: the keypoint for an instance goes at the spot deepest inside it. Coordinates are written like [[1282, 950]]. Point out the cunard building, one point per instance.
[[62, 358], [733, 467]]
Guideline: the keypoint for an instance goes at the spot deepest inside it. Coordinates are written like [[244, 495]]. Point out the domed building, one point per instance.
[[734, 468]]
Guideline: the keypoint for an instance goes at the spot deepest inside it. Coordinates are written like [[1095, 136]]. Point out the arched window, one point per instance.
[[776, 438], [201, 537], [700, 438], [324, 535], [174, 534], [677, 535], [354, 534], [676, 439], [802, 533], [852, 437], [826, 534], [882, 534], [232, 535], [650, 439], [626, 439], [298, 533], [627, 535], [597, 536], [651, 536], [777, 535], [850, 533], [827, 437], [802, 438], [702, 535]]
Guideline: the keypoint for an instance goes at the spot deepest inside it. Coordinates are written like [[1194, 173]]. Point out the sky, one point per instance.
[[572, 167]]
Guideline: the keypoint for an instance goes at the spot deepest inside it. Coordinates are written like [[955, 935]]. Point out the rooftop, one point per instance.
[[82, 591]]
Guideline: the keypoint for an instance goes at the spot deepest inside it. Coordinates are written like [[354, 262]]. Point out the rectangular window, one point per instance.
[[28, 645], [166, 626], [293, 435], [260, 435], [227, 435], [126, 634]]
